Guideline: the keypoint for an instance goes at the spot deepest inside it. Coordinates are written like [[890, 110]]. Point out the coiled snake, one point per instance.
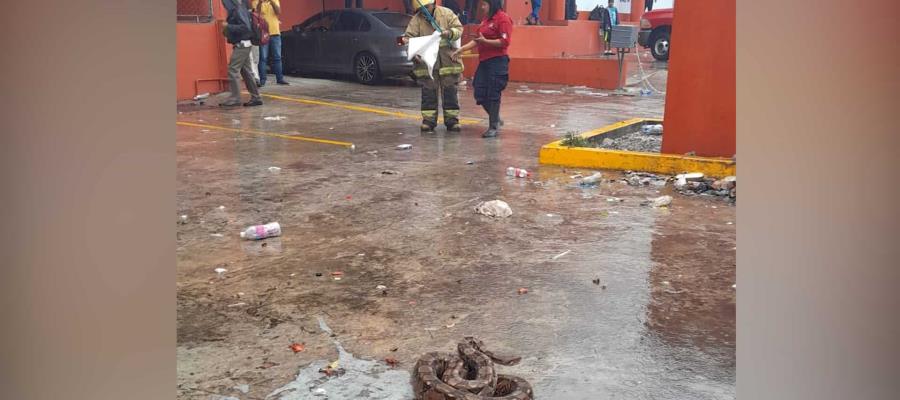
[[469, 375]]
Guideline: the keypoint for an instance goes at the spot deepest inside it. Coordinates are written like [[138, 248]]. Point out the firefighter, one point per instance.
[[447, 71]]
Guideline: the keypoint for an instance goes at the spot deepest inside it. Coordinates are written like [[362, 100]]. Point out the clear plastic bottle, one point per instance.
[[517, 172], [258, 232]]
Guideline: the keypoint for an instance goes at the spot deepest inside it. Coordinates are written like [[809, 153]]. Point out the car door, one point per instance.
[[309, 38], [344, 41]]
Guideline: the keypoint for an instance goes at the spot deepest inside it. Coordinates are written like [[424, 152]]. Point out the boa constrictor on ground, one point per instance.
[[468, 375]]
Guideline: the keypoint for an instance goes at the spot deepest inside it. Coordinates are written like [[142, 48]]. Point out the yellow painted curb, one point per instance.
[[583, 157], [270, 134], [362, 108]]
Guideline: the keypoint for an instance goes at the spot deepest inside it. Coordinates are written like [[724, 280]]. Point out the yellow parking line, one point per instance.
[[278, 135], [362, 108]]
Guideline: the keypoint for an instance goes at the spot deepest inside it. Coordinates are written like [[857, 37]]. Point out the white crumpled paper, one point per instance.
[[427, 48], [494, 208]]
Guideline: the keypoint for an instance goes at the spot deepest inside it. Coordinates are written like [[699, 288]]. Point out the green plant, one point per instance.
[[574, 140]]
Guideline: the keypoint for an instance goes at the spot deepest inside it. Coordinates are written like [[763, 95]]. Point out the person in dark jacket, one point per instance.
[[239, 32]]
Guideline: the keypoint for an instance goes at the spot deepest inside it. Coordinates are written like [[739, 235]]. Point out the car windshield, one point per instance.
[[393, 20]]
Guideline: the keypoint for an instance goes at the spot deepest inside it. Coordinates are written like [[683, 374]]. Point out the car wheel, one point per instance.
[[659, 45], [366, 69]]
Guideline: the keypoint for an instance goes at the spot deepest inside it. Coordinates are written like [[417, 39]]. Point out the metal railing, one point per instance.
[[197, 11]]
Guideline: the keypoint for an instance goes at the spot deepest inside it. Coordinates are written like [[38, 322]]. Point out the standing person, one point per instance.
[[494, 36], [648, 5], [270, 10], [534, 18], [446, 72], [238, 33], [613, 13]]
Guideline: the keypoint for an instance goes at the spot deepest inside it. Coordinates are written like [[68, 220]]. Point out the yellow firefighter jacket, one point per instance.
[[447, 20]]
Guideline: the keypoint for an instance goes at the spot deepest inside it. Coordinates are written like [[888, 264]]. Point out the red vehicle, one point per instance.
[[656, 32]]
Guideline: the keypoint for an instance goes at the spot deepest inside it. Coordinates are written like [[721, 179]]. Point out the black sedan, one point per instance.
[[362, 43]]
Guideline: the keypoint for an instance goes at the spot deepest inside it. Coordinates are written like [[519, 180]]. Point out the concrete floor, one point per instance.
[[663, 327]]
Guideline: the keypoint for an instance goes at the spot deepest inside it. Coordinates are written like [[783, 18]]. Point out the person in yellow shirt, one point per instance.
[[270, 10]]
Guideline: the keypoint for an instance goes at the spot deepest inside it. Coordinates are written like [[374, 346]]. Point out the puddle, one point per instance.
[[364, 379]]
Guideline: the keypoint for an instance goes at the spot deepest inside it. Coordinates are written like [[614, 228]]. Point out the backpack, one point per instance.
[[260, 27], [596, 14]]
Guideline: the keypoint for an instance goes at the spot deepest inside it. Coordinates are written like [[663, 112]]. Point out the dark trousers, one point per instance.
[[450, 102]]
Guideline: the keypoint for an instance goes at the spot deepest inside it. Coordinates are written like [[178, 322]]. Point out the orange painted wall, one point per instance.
[[578, 38], [597, 73], [700, 100], [197, 57]]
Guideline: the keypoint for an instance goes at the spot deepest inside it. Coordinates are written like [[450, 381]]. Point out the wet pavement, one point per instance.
[[659, 325]]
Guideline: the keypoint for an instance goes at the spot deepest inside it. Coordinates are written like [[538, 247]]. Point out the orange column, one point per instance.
[[557, 9], [637, 10], [700, 99]]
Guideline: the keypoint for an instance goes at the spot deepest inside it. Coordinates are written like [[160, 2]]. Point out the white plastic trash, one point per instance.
[[258, 232], [591, 180], [494, 208]]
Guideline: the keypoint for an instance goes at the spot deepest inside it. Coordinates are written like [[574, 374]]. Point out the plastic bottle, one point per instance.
[[517, 172], [257, 232]]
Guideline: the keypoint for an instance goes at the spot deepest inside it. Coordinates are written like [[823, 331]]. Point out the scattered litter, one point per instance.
[[614, 200], [550, 215], [361, 255], [319, 391], [373, 153], [404, 147], [590, 93], [349, 197], [522, 290], [729, 223], [258, 232], [184, 218], [596, 281], [389, 172], [318, 274], [665, 282], [734, 286], [274, 169], [204, 130], [221, 207], [293, 274], [470, 162], [561, 254], [298, 347], [275, 118], [201, 96], [691, 177], [391, 361], [517, 172], [448, 326], [661, 201], [235, 122], [652, 129], [553, 125], [220, 271], [591, 180], [216, 235], [524, 91], [245, 388], [331, 128], [494, 208], [399, 133], [576, 176], [381, 287], [240, 294], [543, 91], [237, 304]]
